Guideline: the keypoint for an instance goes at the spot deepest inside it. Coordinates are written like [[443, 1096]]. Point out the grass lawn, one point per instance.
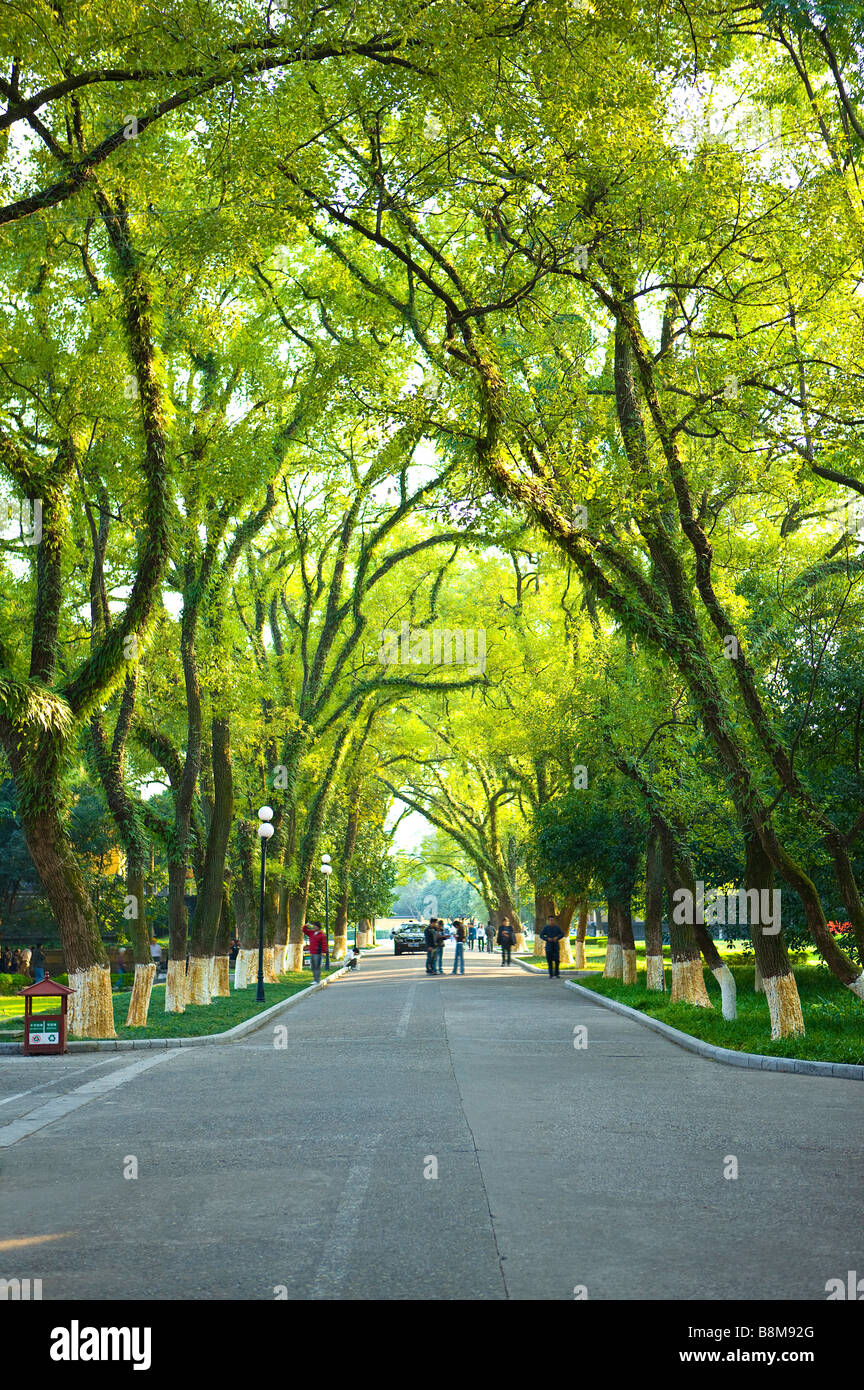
[[197, 1021], [833, 1018], [11, 1006]]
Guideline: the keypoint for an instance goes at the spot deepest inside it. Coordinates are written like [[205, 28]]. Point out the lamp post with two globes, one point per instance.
[[265, 830]]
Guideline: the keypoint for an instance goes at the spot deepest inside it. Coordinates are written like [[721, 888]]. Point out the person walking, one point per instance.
[[490, 936], [121, 960], [317, 948], [472, 934], [440, 938], [38, 963], [553, 936], [506, 938], [459, 958], [430, 936], [25, 960]]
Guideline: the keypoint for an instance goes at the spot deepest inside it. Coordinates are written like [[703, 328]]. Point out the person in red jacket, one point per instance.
[[317, 947]]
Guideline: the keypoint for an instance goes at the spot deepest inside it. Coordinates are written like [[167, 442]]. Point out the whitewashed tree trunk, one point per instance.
[[613, 967], [175, 987], [91, 1007], [198, 982], [250, 966], [579, 955], [340, 948], [221, 977], [728, 991], [784, 1006], [857, 986], [294, 956], [628, 966], [688, 984], [655, 977], [139, 1002]]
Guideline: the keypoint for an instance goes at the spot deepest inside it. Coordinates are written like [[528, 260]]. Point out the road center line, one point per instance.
[[333, 1268], [60, 1106], [402, 1026]]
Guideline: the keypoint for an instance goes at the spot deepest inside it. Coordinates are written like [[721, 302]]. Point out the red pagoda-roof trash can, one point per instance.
[[45, 1032]]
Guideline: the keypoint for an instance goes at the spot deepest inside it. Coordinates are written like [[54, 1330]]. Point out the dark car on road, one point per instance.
[[409, 938]]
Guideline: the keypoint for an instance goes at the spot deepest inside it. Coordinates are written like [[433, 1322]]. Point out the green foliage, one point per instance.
[[461, 315]]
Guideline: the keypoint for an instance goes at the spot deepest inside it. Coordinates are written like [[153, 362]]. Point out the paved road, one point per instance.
[[262, 1167]]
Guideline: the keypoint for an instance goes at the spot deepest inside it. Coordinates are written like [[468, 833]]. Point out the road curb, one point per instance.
[[249, 1025], [754, 1061]]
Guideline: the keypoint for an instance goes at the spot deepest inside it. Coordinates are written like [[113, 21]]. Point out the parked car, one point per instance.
[[409, 938]]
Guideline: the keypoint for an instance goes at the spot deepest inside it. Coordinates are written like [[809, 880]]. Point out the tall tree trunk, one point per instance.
[[565, 917], [145, 969], [310, 840], [506, 911], [222, 973], [297, 900], [246, 909], [91, 1011], [208, 907], [581, 933], [340, 921], [544, 907], [624, 915], [127, 817], [272, 967], [655, 977], [178, 926], [280, 930], [772, 961], [688, 981], [612, 967]]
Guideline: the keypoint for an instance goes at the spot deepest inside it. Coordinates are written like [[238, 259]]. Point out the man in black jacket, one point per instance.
[[430, 936], [553, 936], [506, 940]]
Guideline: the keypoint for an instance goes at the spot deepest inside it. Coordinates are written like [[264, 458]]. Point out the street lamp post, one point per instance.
[[326, 869], [265, 830]]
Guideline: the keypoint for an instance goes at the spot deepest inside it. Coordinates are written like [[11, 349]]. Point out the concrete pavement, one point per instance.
[[309, 1168]]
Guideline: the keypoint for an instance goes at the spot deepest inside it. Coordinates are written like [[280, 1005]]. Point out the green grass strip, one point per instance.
[[199, 1020], [833, 1017]]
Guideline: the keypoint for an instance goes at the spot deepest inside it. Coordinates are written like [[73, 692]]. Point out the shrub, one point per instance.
[[10, 984]]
